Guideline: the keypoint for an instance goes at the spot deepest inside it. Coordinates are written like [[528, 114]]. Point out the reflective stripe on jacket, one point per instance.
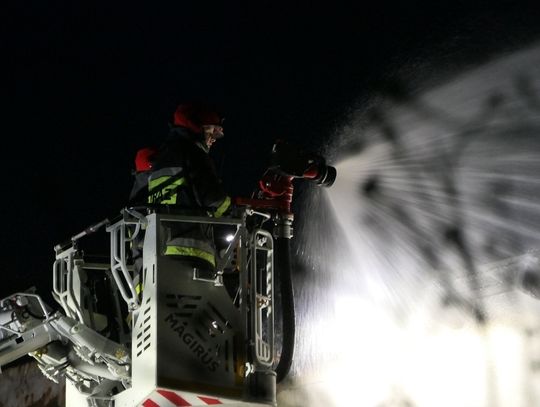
[[163, 186]]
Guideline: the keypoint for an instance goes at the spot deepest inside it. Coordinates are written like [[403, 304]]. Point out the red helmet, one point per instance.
[[193, 116], [143, 159]]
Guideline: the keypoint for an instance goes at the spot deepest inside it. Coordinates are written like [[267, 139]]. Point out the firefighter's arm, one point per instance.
[[207, 187]]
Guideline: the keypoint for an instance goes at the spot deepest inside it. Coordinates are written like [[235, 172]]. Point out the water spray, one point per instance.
[[428, 257]]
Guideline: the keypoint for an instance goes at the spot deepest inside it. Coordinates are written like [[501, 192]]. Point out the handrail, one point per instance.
[[62, 266], [262, 278], [119, 262]]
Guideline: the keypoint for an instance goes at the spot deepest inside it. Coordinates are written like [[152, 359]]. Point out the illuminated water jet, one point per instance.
[[424, 268]]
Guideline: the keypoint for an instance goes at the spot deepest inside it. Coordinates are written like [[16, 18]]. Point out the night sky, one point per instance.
[[88, 85]]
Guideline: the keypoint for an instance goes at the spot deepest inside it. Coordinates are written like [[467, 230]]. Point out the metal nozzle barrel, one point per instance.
[[327, 176], [324, 175]]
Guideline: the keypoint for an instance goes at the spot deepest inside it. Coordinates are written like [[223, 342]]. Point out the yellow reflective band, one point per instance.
[[138, 288], [190, 251], [223, 207], [169, 190], [153, 183]]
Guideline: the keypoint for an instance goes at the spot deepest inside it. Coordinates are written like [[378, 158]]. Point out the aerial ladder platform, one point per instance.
[[169, 333]]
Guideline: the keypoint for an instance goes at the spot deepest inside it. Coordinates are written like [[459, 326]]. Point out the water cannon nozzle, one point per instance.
[[327, 176], [289, 160]]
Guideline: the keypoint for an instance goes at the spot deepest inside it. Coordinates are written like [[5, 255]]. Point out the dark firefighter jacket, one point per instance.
[[184, 177]]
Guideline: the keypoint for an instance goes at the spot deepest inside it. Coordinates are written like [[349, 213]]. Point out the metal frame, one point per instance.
[[247, 328]]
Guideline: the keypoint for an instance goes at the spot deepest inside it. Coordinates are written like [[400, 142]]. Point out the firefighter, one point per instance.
[[143, 165], [182, 179], [139, 197]]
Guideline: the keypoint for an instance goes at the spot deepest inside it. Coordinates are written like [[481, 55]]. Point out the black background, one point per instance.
[[86, 85]]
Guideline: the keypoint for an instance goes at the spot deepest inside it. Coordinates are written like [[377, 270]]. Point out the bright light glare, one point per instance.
[[229, 238], [377, 359]]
